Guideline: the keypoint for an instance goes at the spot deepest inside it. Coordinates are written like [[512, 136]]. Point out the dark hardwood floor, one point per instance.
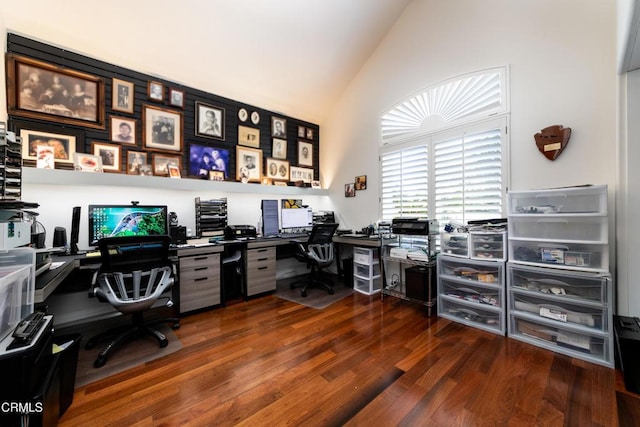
[[358, 362]]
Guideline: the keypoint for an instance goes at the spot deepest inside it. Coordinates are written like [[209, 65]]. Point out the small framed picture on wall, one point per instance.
[[305, 153], [155, 91]]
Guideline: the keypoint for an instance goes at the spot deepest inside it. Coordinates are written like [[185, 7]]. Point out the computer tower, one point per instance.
[[418, 284], [627, 334]]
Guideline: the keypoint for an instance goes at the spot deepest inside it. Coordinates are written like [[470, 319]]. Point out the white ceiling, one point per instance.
[[291, 56]]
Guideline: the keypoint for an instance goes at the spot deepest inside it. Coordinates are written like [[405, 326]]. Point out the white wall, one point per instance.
[[562, 70], [562, 62]]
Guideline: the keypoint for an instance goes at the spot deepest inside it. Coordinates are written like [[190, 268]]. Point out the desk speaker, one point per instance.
[[59, 237], [178, 234]]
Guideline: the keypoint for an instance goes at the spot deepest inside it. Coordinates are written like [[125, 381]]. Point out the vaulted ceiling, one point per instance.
[[292, 56]]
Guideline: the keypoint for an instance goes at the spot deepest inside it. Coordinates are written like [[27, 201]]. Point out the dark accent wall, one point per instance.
[[56, 56]]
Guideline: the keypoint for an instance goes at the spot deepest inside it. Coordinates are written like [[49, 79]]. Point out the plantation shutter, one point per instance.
[[405, 182]]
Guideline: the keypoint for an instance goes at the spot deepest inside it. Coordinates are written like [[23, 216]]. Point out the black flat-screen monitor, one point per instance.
[[270, 224], [126, 220]]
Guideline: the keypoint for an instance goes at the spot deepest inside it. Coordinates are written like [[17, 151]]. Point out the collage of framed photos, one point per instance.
[[143, 128]]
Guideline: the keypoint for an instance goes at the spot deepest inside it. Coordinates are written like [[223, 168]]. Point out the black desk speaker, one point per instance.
[[178, 234], [627, 334], [59, 237]]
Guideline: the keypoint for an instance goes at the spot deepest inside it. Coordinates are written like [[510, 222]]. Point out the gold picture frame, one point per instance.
[[39, 90]]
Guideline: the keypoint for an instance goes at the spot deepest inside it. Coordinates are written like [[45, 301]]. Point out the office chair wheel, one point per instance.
[[164, 343], [175, 326], [303, 294], [99, 362]]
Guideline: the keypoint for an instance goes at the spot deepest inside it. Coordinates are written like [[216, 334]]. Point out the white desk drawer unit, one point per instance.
[[260, 269], [591, 200], [472, 292], [366, 270], [199, 281]]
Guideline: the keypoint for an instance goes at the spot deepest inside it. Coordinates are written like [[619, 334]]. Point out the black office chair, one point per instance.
[[135, 272], [317, 252]]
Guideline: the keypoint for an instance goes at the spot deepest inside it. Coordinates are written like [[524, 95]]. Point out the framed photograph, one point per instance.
[[123, 130], [174, 171], [64, 146], [301, 132], [280, 183], [209, 121], [176, 98], [43, 91], [278, 127], [204, 159], [161, 163], [309, 133], [279, 148], [243, 114], [155, 91], [255, 117], [305, 153], [162, 128], [349, 190], [248, 164], [249, 136], [301, 174], [361, 182], [122, 96], [277, 170], [87, 162], [315, 184], [216, 176], [137, 162], [109, 155]]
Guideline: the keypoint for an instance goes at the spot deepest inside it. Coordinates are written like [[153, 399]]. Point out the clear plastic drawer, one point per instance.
[[567, 255], [490, 319], [472, 293], [592, 229], [365, 255], [570, 285], [487, 245], [455, 244], [561, 312], [471, 271], [561, 339], [588, 199], [366, 271]]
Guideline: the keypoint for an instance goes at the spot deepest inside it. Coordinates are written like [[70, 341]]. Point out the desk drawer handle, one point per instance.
[[201, 268], [200, 258], [263, 259], [200, 279], [263, 250], [262, 268]]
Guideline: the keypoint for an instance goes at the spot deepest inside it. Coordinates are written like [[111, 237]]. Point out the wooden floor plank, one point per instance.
[[361, 361]]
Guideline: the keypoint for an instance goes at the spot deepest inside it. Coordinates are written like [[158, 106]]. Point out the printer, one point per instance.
[[234, 232], [414, 226]]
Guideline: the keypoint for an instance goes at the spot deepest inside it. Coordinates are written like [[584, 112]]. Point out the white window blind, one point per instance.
[[405, 182], [444, 151], [468, 177]]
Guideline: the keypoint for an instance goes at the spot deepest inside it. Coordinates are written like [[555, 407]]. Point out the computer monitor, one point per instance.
[[270, 224], [75, 231], [126, 220], [296, 218]]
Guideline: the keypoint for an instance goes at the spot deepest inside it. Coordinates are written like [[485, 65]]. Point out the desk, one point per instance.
[[198, 286]]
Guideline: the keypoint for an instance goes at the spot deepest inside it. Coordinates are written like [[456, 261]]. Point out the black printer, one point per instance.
[[233, 232]]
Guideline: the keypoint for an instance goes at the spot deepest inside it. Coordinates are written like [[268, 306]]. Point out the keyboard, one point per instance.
[[292, 235]]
